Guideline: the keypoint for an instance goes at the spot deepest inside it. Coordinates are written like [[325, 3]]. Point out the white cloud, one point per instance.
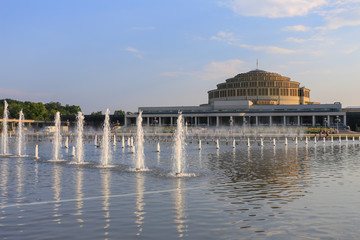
[[297, 28], [214, 71], [350, 50], [273, 8], [303, 40], [269, 49], [341, 17], [230, 39], [224, 36], [135, 51]]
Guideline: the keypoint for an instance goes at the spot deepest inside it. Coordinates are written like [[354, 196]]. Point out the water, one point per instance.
[[4, 135], [294, 192], [178, 148], [139, 144], [79, 137], [105, 153], [57, 137], [20, 133]]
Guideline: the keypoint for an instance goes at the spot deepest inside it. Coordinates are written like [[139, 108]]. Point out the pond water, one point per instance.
[[282, 192]]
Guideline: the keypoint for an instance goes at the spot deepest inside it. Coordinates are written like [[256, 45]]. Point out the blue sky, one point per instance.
[[121, 54]]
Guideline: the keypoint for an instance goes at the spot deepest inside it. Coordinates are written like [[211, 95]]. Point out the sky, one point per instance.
[[122, 55]]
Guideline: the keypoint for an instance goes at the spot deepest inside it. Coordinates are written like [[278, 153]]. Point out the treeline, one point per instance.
[[37, 111]]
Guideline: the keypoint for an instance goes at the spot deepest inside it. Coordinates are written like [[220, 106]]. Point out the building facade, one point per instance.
[[255, 98]]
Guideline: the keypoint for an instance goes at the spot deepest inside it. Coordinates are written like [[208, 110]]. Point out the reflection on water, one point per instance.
[[105, 179], [255, 193], [180, 217], [140, 204], [4, 189], [57, 190], [19, 174], [274, 180], [4, 181], [79, 195]]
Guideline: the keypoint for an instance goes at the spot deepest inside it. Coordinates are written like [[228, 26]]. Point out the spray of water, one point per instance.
[[178, 149], [79, 137], [20, 133], [4, 136], [139, 144], [57, 137], [106, 140]]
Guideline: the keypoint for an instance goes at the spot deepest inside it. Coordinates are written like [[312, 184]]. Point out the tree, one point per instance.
[[97, 113], [119, 112]]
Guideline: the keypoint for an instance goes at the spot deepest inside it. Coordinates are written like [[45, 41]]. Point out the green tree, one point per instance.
[[97, 113], [119, 112]]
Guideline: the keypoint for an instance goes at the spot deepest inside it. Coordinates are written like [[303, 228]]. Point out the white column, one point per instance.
[[171, 121], [328, 119], [256, 120], [298, 117], [148, 121], [284, 120], [217, 121], [196, 121], [313, 120], [270, 121], [208, 121], [159, 121], [125, 121], [345, 119]]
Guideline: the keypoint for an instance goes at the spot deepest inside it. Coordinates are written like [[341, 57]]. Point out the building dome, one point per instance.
[[262, 88]]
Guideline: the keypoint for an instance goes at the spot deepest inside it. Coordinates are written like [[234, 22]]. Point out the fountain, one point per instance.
[[199, 144], [105, 154], [73, 153], [261, 142], [217, 144], [79, 137], [248, 142], [122, 142], [57, 137], [36, 152], [158, 147], [20, 133], [4, 136], [139, 144], [234, 143], [67, 142], [178, 149]]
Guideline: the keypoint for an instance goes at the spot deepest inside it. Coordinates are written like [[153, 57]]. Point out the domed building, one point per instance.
[[254, 98], [261, 88]]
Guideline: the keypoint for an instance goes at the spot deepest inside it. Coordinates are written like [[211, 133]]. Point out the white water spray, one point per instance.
[[105, 154], [79, 137], [4, 136], [57, 137], [20, 133], [36, 152], [178, 149], [139, 143]]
